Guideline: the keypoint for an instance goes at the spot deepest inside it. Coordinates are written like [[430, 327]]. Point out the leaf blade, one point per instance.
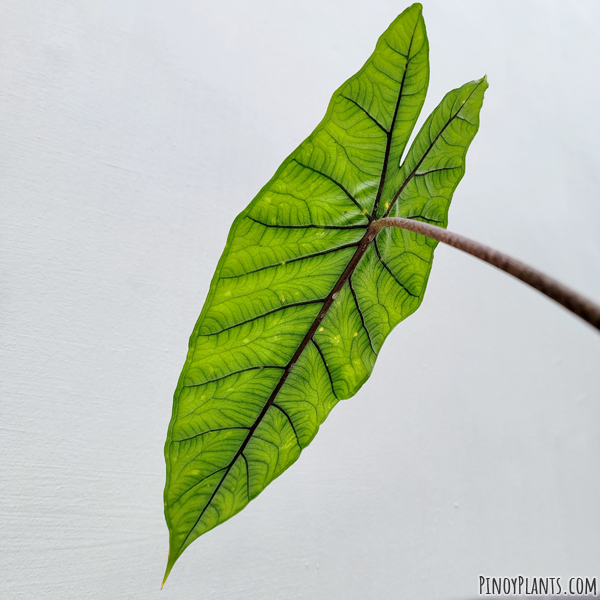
[[284, 333]]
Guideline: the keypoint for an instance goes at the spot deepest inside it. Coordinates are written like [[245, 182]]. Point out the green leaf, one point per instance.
[[304, 294]]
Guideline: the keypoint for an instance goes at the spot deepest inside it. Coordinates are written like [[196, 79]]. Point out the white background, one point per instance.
[[132, 133]]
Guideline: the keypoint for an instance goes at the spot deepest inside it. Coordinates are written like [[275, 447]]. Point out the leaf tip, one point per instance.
[[416, 7], [483, 82], [170, 564]]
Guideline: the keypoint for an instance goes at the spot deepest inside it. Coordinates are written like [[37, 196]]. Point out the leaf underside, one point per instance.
[[301, 302]]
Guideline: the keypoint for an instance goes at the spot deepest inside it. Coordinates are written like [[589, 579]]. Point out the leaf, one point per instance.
[[304, 294]]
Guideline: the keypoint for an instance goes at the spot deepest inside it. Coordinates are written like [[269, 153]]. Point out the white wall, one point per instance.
[[132, 133]]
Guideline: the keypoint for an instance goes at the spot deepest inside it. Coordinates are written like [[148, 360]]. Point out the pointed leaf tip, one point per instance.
[[417, 6], [484, 81], [167, 571]]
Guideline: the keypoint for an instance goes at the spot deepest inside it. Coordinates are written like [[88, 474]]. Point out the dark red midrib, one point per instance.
[[362, 248], [350, 267], [390, 132]]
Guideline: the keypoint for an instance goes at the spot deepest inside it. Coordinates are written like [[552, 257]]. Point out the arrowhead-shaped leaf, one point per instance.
[[304, 296]]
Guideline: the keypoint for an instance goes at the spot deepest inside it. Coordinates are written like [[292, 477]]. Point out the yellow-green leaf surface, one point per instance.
[[304, 295]]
